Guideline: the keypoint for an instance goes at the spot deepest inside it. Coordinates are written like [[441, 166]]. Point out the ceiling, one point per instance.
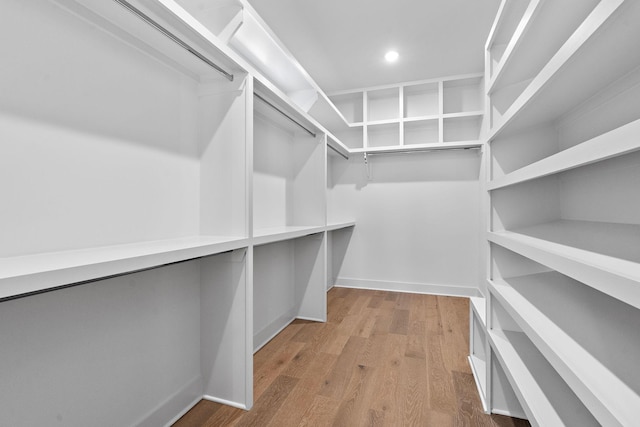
[[341, 43]]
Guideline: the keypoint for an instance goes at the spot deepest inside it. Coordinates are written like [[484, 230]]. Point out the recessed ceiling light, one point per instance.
[[391, 56]]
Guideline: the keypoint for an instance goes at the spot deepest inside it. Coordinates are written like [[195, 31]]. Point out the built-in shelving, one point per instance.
[[412, 114], [579, 345], [187, 210], [562, 159]]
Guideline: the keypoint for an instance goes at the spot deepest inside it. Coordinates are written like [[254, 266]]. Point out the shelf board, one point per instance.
[[576, 328], [617, 142], [383, 122], [546, 399], [340, 225], [574, 73], [22, 275], [265, 236], [604, 256], [463, 114], [421, 118], [419, 147], [479, 370], [478, 304]]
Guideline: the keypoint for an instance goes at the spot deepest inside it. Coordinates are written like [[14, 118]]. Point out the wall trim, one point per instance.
[[414, 288], [179, 403]]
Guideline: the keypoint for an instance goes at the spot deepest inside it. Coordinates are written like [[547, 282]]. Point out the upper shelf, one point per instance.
[[554, 311], [617, 142], [40, 272], [604, 256], [542, 29], [575, 73]]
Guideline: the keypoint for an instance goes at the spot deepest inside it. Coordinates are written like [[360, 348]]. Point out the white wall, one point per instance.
[[417, 225], [90, 122], [116, 352]]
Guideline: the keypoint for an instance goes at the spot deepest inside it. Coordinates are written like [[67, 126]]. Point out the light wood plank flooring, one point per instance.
[[382, 359]]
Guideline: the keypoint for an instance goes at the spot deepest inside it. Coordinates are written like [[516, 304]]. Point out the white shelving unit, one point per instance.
[[562, 157], [152, 201], [429, 114], [289, 203]]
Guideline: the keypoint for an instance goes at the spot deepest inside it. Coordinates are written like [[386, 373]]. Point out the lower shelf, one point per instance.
[[585, 334], [546, 399]]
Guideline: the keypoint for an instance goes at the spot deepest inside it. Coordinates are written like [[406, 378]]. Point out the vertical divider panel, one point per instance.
[[401, 115], [226, 360], [440, 111], [223, 172], [227, 279], [310, 277]]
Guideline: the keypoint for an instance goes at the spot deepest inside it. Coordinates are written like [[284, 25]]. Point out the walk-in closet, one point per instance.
[[290, 213]]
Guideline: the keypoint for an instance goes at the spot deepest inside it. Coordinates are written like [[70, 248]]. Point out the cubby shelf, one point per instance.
[[413, 113], [545, 398], [617, 142], [35, 273], [602, 255], [540, 304], [574, 73]]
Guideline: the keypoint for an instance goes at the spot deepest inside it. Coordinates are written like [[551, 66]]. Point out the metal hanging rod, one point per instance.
[[284, 114], [131, 8], [338, 151], [419, 150]]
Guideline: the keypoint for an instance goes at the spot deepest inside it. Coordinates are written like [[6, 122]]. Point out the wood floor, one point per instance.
[[382, 359]]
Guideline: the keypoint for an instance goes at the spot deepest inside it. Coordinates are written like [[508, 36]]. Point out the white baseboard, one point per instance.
[[179, 403], [225, 402], [271, 330], [507, 413], [414, 288]]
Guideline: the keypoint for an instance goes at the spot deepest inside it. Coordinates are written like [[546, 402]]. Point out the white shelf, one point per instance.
[[545, 398], [40, 272], [277, 234], [617, 142], [544, 25], [419, 147], [478, 304], [478, 113], [479, 370], [602, 255], [576, 328], [340, 225], [575, 72]]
